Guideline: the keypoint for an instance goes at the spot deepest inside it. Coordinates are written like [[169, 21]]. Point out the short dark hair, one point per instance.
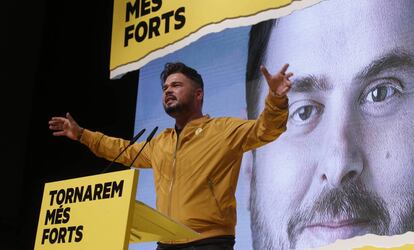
[[258, 40], [179, 67]]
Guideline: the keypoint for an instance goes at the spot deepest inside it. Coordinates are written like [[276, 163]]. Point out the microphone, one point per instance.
[[148, 139], [132, 141]]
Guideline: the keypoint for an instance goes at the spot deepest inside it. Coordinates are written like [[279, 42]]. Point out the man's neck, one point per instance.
[[180, 122]]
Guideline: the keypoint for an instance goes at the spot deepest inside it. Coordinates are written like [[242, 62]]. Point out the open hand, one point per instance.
[[65, 126], [279, 83]]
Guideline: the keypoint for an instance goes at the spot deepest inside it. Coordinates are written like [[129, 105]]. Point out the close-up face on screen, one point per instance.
[[344, 167]]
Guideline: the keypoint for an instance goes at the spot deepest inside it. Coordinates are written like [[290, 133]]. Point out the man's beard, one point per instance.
[[179, 107], [174, 110], [351, 200]]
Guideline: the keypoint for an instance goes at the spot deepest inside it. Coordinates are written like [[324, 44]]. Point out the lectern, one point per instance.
[[100, 212]]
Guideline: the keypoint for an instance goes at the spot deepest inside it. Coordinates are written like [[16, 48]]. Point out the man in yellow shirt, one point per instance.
[[196, 165]]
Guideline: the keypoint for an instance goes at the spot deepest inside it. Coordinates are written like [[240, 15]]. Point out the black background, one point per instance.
[[55, 60]]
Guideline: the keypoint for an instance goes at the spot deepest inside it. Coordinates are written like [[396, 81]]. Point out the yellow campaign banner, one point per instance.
[[92, 212], [143, 30]]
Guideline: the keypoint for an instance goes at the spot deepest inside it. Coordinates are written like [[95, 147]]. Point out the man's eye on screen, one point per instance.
[[305, 112], [380, 96], [380, 93]]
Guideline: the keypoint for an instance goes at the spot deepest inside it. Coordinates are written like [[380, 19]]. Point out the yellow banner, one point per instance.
[[144, 30], [87, 213]]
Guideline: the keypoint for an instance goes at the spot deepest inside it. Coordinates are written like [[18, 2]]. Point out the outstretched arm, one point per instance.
[[100, 144], [66, 126]]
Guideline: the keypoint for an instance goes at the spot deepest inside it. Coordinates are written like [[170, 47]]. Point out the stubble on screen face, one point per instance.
[[349, 201], [346, 203]]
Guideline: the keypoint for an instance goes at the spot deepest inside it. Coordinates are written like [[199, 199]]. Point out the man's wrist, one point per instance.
[[277, 101], [274, 94], [80, 133]]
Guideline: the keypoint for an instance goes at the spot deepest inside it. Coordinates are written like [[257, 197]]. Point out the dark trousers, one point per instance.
[[214, 243]]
